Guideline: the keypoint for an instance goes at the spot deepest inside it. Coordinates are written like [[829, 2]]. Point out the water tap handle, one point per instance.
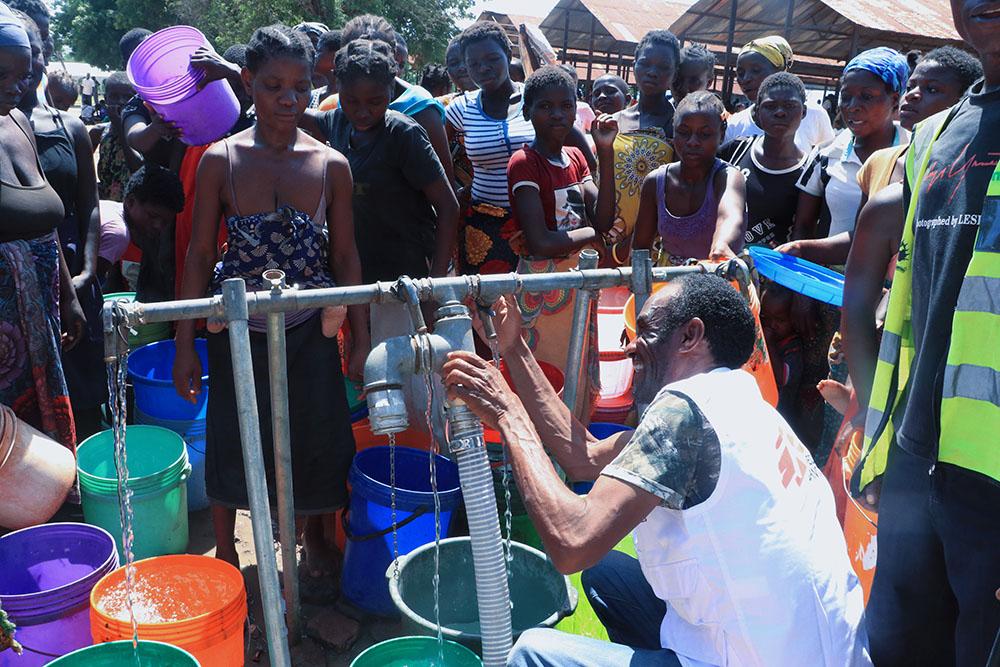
[[486, 314]]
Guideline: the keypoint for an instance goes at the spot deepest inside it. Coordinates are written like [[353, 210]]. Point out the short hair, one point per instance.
[[616, 80], [30, 25], [366, 59], [482, 31], [660, 38], [730, 328], [118, 79], [402, 50], [913, 57], [571, 70], [962, 64], [153, 184], [130, 41], [63, 78], [277, 41], [371, 27], [236, 54], [549, 76], [454, 43], [785, 80], [700, 101], [434, 76], [331, 40], [698, 54]]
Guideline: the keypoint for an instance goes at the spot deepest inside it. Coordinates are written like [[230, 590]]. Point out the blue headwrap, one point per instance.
[[885, 63], [12, 32]]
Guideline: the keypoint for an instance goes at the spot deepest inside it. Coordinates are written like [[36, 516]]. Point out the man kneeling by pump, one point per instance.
[[741, 558]]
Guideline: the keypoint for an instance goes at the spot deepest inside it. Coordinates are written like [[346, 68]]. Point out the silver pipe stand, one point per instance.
[[581, 324], [642, 278], [280, 432], [234, 300]]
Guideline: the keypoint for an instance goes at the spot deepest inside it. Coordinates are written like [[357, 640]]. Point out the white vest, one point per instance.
[[757, 574]]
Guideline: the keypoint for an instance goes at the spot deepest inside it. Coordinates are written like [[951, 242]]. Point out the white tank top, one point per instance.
[[758, 574]]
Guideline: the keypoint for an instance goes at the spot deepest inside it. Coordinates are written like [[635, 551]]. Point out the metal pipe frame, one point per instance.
[[234, 298], [277, 365], [578, 334], [235, 306]]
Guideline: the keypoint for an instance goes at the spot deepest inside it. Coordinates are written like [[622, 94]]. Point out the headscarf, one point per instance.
[[12, 32], [885, 63], [775, 48]]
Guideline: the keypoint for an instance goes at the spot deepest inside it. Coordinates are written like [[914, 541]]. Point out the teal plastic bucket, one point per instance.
[[539, 595], [415, 652], [122, 654], [158, 472]]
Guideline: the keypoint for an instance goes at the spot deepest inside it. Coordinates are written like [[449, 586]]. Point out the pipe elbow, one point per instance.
[[387, 363]]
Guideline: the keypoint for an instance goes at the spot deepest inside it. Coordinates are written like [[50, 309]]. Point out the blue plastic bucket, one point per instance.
[[193, 432], [368, 524], [151, 372], [599, 430]]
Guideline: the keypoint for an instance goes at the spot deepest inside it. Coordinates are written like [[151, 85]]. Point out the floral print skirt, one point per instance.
[[31, 374], [484, 240]]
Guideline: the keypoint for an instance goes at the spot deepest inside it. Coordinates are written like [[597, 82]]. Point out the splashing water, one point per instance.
[[433, 451], [117, 398], [508, 518]]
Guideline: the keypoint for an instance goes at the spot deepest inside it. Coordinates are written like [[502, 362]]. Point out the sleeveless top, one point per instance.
[[687, 236], [38, 207], [286, 239], [58, 159]]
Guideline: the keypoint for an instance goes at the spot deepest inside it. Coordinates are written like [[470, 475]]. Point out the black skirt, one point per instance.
[[322, 442]]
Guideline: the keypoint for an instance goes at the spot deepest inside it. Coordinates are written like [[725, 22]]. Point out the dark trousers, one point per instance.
[[933, 599]]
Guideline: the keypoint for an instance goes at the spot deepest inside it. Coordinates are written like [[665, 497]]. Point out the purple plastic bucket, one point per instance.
[[47, 574], [161, 72]]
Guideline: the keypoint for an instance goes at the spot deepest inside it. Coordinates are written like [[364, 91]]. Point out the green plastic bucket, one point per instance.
[[121, 654], [158, 469], [416, 652], [144, 333], [540, 596]]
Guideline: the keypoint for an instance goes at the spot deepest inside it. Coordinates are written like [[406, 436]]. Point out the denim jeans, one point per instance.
[[628, 608]]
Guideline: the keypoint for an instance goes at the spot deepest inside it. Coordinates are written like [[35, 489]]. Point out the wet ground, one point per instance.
[[308, 653]]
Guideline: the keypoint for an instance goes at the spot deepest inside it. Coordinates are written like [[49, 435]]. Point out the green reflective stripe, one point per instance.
[[994, 189], [985, 264], [979, 294], [968, 435], [980, 383], [975, 339]]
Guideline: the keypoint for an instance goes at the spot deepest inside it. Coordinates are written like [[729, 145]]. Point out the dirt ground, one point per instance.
[[308, 653]]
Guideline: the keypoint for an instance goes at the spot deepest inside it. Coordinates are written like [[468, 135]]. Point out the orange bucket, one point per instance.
[[197, 603], [759, 364], [860, 532]]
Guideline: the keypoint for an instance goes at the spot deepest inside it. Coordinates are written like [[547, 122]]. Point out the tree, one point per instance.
[[90, 29]]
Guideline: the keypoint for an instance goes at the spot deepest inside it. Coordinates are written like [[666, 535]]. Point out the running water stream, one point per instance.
[[432, 457], [508, 518], [118, 400]]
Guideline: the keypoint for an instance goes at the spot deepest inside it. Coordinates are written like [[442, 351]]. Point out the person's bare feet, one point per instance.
[[836, 394]]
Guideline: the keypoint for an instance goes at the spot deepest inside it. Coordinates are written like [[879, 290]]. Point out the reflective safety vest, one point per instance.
[[970, 396]]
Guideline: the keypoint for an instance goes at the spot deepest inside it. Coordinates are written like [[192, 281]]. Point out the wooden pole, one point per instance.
[[590, 51], [727, 83]]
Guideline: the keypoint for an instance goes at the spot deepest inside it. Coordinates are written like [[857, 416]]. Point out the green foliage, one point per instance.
[[90, 29]]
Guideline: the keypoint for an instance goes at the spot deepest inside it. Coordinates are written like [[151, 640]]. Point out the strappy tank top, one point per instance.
[[687, 236], [286, 239], [37, 208]]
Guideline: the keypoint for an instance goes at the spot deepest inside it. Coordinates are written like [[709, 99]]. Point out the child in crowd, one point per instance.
[[772, 163], [405, 213], [326, 50], [558, 212], [116, 160], [697, 206], [151, 199], [61, 90], [435, 80], [644, 132], [455, 64], [696, 72], [610, 94], [286, 199], [784, 347]]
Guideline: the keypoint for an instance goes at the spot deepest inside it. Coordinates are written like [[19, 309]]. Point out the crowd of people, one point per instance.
[[341, 171]]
